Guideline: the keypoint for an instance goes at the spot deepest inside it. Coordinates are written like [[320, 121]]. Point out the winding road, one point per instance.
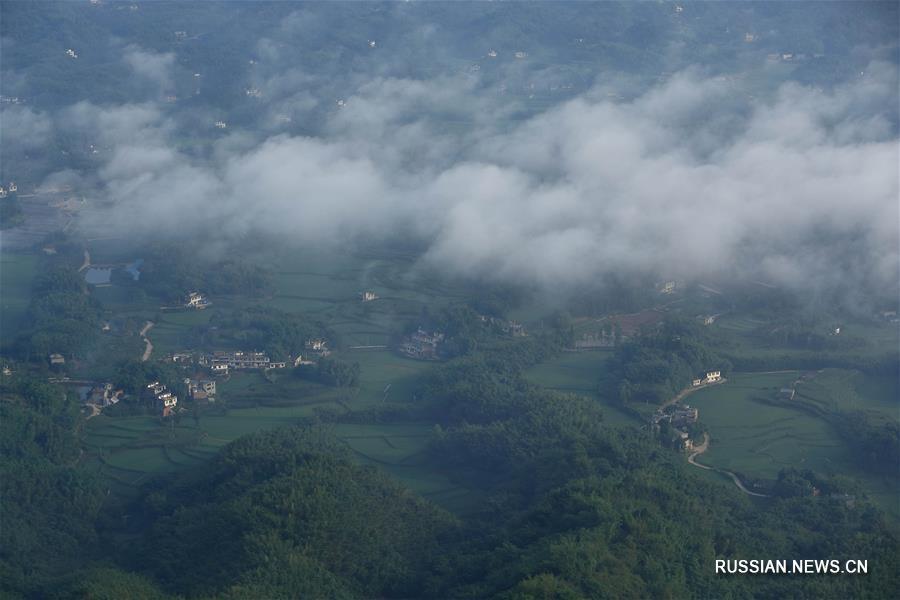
[[698, 450], [149, 348]]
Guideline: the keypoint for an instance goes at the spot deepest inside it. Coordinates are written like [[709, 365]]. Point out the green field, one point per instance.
[[845, 390], [16, 275], [757, 439], [385, 376], [579, 373], [740, 333]]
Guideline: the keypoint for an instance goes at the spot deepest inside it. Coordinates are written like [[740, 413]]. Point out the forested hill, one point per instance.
[[572, 509]]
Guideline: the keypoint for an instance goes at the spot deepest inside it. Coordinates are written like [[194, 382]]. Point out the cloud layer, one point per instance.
[[692, 178]]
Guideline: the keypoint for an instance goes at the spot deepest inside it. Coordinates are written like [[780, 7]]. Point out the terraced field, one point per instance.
[[130, 450]]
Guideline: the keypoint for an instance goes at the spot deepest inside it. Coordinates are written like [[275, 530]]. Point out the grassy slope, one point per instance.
[[579, 373]]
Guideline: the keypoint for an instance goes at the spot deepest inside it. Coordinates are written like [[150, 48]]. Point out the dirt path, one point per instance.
[[698, 450], [687, 392], [149, 348]]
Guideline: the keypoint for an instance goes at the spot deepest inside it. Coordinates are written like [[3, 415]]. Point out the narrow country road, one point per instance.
[[698, 450], [688, 391], [149, 348]]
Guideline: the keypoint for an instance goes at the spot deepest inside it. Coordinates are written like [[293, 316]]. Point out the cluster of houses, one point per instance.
[[598, 339], [615, 329], [4, 192], [221, 361], [422, 344], [711, 377], [103, 395], [196, 300], [164, 400], [368, 296], [512, 328], [679, 417]]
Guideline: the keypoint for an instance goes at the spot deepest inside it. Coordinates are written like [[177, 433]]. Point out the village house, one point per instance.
[[492, 53], [182, 357], [71, 53], [6, 370], [57, 359], [164, 400], [521, 54], [786, 393], [422, 345], [713, 377], [104, 395], [708, 319], [218, 124], [317, 347], [684, 415], [299, 360], [515, 329], [219, 369], [201, 389], [368, 296]]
